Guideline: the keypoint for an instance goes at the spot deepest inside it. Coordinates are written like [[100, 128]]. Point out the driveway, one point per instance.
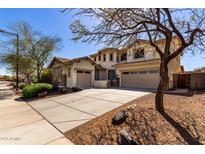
[[71, 110], [20, 124]]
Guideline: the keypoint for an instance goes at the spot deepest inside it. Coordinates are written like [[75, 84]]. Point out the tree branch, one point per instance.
[[151, 41]]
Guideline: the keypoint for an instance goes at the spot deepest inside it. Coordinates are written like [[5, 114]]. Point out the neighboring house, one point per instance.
[[2, 78], [202, 70], [135, 66]]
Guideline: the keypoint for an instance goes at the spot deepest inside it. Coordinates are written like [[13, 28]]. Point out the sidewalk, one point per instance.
[[20, 124]]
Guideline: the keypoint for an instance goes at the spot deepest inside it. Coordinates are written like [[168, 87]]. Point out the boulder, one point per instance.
[[125, 139], [120, 117]]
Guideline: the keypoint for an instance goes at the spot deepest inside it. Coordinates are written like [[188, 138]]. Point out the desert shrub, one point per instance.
[[23, 85], [32, 90], [46, 76]]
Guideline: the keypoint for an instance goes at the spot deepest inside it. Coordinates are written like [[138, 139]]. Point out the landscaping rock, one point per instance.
[[43, 94], [125, 139], [131, 107], [120, 117]]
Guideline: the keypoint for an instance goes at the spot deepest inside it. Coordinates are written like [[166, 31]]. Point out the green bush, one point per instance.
[[46, 76], [23, 85], [32, 90]]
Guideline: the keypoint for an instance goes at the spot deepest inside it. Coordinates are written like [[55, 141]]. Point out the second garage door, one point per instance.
[[83, 79], [148, 79]]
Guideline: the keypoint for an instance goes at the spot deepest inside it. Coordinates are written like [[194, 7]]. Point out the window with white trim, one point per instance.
[[111, 57], [139, 54]]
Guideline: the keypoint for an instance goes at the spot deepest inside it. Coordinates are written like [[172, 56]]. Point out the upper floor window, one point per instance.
[[104, 57], [94, 58], [111, 57], [139, 53], [123, 56], [99, 57]]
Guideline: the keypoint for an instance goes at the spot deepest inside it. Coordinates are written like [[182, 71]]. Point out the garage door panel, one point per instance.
[[83, 78], [137, 80]]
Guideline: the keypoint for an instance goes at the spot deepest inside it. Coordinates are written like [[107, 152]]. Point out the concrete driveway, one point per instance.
[[71, 110], [20, 124]]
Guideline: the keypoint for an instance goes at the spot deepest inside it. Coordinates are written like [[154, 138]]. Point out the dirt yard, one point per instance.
[[183, 123]]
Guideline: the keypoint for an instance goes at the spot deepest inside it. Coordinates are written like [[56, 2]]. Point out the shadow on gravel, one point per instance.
[[182, 131]]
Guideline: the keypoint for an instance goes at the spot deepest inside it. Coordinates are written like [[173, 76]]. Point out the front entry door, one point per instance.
[[111, 74]]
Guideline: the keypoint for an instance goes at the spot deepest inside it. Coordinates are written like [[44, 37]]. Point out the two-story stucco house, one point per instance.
[[135, 66]]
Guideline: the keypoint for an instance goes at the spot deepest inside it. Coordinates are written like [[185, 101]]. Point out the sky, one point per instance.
[[53, 22]]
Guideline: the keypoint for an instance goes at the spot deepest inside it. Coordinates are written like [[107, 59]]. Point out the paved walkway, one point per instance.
[[20, 124], [71, 110]]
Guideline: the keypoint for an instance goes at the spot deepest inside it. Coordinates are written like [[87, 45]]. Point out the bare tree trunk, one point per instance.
[[38, 73], [162, 87], [28, 79]]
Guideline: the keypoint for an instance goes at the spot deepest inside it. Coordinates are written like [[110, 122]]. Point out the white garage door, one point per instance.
[[83, 78], [140, 79]]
